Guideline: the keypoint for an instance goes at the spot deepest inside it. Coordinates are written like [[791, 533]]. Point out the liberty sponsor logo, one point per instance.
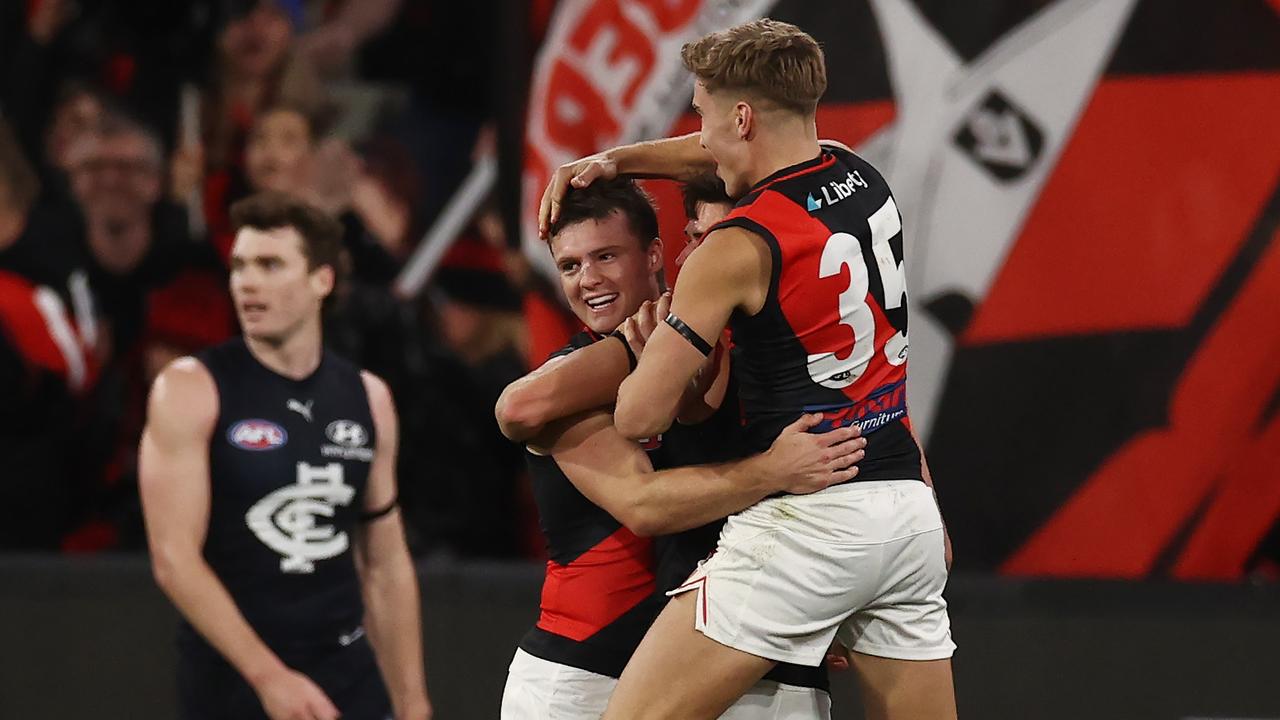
[[291, 520], [835, 191], [348, 439], [257, 435], [885, 404]]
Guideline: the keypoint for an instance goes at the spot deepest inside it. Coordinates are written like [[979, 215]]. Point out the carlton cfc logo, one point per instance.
[[257, 435]]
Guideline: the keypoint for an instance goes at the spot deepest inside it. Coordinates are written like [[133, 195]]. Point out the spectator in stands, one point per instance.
[[46, 364]]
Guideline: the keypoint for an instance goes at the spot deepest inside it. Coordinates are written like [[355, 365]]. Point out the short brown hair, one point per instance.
[[601, 199], [705, 188], [775, 61], [321, 234]]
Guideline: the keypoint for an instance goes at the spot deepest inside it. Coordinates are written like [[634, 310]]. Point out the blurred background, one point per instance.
[[1091, 197]]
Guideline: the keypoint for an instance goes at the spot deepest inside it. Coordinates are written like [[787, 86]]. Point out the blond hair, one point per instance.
[[774, 61]]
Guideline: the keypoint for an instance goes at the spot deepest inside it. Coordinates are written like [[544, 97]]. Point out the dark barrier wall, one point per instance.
[[94, 639]]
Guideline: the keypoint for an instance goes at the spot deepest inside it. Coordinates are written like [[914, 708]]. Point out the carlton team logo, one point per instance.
[[292, 520], [257, 435]]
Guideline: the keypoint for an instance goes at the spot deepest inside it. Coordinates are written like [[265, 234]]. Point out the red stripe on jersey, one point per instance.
[[598, 587], [827, 161]]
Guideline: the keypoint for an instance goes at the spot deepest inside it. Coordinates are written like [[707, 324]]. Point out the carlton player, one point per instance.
[[807, 271], [598, 500], [267, 475]]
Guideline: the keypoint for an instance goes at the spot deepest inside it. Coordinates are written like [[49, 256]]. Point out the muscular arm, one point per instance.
[[679, 158], [585, 379], [388, 582], [616, 474], [730, 270], [173, 478]]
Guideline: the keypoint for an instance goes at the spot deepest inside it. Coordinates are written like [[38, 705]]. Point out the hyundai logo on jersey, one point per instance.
[[881, 407], [347, 432], [257, 435]]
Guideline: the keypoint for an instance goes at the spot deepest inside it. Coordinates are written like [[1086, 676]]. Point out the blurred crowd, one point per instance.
[[128, 127]]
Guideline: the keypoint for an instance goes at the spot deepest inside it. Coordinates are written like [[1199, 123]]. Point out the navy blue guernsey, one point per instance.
[[832, 334], [604, 585], [288, 464]]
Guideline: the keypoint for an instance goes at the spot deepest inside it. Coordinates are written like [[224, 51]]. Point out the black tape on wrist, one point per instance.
[[631, 355], [694, 338]]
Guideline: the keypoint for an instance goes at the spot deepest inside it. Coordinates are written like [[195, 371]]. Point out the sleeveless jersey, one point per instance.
[[604, 585], [832, 334], [288, 464], [598, 595]]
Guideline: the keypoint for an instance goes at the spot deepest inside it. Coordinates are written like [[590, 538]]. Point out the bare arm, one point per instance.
[[705, 392], [730, 270], [585, 379], [388, 582], [173, 478], [615, 473], [679, 158]]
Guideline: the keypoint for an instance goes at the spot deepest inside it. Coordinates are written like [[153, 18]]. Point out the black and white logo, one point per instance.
[[303, 409], [290, 520], [1000, 137], [348, 439], [348, 433]]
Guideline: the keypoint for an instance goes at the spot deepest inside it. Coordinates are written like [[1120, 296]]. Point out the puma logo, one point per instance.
[[302, 409]]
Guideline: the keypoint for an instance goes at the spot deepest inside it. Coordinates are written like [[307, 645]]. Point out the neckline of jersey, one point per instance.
[[295, 381], [822, 160]]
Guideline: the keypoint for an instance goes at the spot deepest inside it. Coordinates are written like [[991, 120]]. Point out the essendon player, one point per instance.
[[597, 496], [267, 473], [807, 271]]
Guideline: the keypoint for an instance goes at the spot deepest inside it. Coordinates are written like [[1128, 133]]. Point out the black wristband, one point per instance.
[[371, 515], [694, 338], [631, 355]]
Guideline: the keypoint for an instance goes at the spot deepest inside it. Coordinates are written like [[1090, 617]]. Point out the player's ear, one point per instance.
[[655, 254], [323, 280], [744, 119]]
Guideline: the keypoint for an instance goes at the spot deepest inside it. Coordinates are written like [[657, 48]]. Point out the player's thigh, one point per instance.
[[769, 700], [908, 618], [895, 689], [783, 578], [677, 672], [538, 689]]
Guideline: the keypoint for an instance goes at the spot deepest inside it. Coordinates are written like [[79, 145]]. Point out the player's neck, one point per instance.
[[781, 147], [295, 357]]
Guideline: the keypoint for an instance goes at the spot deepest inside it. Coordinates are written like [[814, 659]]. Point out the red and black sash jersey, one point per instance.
[[832, 334], [604, 585], [598, 596]]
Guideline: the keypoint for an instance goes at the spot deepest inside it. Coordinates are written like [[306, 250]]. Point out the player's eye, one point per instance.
[[568, 268]]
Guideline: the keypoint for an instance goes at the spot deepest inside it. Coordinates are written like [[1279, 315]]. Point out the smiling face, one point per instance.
[[606, 272], [275, 291]]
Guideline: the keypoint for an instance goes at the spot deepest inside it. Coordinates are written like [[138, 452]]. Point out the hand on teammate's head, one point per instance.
[[579, 174]]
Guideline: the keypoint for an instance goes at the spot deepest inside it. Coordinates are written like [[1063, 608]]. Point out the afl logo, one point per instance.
[[348, 433], [257, 435]]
